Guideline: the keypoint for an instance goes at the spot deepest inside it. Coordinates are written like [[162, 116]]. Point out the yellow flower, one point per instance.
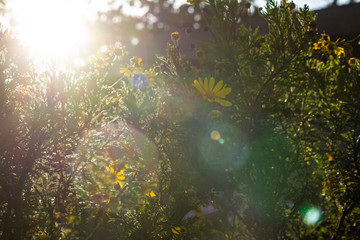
[[136, 61], [132, 68], [352, 61], [339, 50], [175, 37], [325, 45], [212, 92], [330, 158], [116, 176], [319, 45], [127, 71], [100, 61], [150, 74], [331, 47], [117, 50], [151, 194], [120, 177], [110, 169], [176, 230]]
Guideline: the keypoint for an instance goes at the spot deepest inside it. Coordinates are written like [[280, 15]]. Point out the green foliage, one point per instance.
[[258, 140]]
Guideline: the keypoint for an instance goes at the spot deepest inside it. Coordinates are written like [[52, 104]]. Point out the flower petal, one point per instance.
[[198, 86], [120, 177], [218, 86], [223, 102], [223, 92], [120, 183], [211, 83], [206, 85], [201, 83]]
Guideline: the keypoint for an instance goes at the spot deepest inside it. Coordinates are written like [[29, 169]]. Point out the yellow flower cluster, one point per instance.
[[103, 60], [212, 92], [136, 67], [117, 50], [325, 45]]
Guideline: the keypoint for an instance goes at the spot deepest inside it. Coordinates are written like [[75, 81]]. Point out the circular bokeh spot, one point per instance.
[[215, 135], [311, 215], [219, 145]]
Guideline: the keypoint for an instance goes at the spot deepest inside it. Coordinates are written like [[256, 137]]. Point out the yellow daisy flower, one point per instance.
[[212, 92], [175, 37], [352, 61], [118, 177], [100, 61]]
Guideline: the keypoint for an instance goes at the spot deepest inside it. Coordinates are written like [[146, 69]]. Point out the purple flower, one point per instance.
[[203, 211], [140, 81]]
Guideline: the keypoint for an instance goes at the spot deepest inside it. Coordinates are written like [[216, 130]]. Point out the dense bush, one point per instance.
[[260, 139]]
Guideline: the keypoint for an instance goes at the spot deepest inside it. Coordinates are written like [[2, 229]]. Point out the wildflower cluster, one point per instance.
[[327, 47], [102, 61], [140, 76]]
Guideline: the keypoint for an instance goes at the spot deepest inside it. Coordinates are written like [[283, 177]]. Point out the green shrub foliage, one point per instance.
[[257, 139]]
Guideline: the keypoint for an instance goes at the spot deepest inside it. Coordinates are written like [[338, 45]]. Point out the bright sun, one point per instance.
[[54, 28]]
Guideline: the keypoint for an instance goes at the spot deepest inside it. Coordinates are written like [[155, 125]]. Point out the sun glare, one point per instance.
[[53, 28]]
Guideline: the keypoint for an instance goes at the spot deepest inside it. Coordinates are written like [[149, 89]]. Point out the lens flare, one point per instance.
[[53, 28], [311, 215], [215, 135], [219, 145]]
